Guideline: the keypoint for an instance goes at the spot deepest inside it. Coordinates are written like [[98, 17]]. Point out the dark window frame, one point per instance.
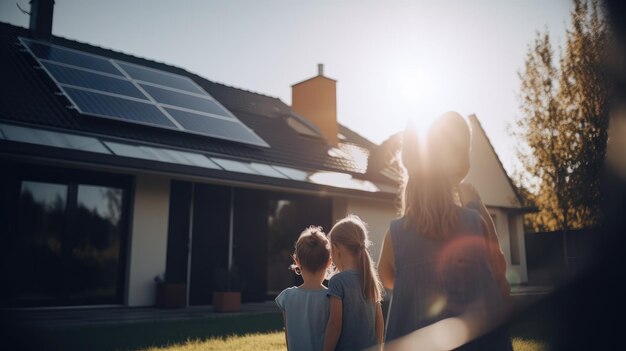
[[15, 173]]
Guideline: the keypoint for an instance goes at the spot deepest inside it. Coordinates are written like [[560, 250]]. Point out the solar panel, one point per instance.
[[159, 77], [70, 57], [90, 80], [188, 101], [103, 105], [104, 87], [212, 126]]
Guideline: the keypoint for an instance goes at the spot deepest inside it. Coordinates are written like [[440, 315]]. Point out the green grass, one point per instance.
[[125, 337], [531, 331], [520, 344], [259, 341], [276, 341]]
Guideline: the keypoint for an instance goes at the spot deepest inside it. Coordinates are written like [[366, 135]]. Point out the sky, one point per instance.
[[394, 61]]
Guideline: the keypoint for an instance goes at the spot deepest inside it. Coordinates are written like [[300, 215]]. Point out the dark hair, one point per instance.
[[312, 250]]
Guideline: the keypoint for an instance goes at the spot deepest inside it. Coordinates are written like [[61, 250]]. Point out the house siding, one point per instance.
[[148, 239]]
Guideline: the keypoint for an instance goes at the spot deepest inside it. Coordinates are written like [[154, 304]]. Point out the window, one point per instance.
[[65, 238]]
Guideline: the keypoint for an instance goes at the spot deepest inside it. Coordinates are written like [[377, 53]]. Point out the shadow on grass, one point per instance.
[[138, 335], [538, 323], [535, 324]]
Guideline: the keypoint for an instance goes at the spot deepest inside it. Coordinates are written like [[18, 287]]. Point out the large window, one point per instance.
[[288, 216], [65, 237], [266, 226]]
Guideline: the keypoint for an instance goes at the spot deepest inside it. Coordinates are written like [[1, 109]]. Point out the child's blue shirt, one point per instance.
[[358, 326], [306, 314]]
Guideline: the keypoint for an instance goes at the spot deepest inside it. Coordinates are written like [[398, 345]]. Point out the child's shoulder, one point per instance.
[[296, 290], [288, 291], [344, 277], [345, 274], [280, 299]]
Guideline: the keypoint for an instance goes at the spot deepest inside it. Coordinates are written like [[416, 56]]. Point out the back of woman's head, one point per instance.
[[427, 198], [351, 233], [449, 142], [312, 250]]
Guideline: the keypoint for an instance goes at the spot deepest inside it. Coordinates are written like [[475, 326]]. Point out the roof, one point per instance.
[[519, 198], [312, 78], [28, 98]]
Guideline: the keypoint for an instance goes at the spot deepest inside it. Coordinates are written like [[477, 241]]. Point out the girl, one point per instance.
[[439, 257], [305, 308], [356, 317]]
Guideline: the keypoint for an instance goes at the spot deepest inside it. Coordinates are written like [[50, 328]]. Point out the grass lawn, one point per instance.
[[530, 332], [126, 337], [276, 341]]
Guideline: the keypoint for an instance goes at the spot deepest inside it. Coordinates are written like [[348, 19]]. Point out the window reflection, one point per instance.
[[283, 229], [68, 244], [288, 217], [95, 251], [41, 226]]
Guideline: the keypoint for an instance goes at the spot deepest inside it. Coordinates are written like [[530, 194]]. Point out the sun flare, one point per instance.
[[418, 91]]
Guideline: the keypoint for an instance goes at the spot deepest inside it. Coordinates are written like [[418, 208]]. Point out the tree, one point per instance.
[[563, 123]]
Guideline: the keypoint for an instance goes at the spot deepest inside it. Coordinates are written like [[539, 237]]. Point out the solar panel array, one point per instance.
[[113, 89]]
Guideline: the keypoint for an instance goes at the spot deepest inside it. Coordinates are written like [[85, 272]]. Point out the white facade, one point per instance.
[[490, 179], [148, 238], [376, 213]]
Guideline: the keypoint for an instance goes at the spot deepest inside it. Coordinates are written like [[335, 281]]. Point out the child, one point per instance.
[[356, 317], [305, 308]]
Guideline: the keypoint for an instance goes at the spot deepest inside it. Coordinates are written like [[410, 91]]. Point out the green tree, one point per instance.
[[563, 123]]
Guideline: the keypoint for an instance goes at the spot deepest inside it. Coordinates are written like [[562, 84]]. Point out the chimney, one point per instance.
[[316, 100], [41, 19]]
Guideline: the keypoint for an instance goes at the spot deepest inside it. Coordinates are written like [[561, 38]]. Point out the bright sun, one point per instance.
[[418, 91]]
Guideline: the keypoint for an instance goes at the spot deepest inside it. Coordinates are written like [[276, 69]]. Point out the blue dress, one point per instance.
[[440, 278], [358, 326], [306, 312]]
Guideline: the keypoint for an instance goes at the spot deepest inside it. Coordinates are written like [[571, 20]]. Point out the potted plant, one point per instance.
[[169, 294], [227, 294]]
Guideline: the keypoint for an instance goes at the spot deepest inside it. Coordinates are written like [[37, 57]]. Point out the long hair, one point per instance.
[[351, 233], [427, 194]]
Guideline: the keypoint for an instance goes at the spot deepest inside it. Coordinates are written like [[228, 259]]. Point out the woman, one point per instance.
[[440, 258]]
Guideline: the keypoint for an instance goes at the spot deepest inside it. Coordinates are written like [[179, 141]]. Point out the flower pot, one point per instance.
[[171, 295], [226, 301]]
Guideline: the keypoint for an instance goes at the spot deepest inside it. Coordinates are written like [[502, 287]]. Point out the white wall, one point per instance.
[[515, 273], [486, 172], [519, 273], [376, 213], [148, 238]]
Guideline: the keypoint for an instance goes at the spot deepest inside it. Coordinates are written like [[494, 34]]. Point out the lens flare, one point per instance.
[[449, 334], [437, 306]]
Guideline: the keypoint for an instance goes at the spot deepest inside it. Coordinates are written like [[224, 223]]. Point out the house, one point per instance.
[[117, 169]]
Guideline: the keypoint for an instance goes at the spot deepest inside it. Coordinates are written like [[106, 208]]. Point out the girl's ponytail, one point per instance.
[[352, 234], [372, 288]]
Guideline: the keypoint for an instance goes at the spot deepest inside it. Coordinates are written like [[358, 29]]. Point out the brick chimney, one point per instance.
[[41, 12], [316, 100]]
